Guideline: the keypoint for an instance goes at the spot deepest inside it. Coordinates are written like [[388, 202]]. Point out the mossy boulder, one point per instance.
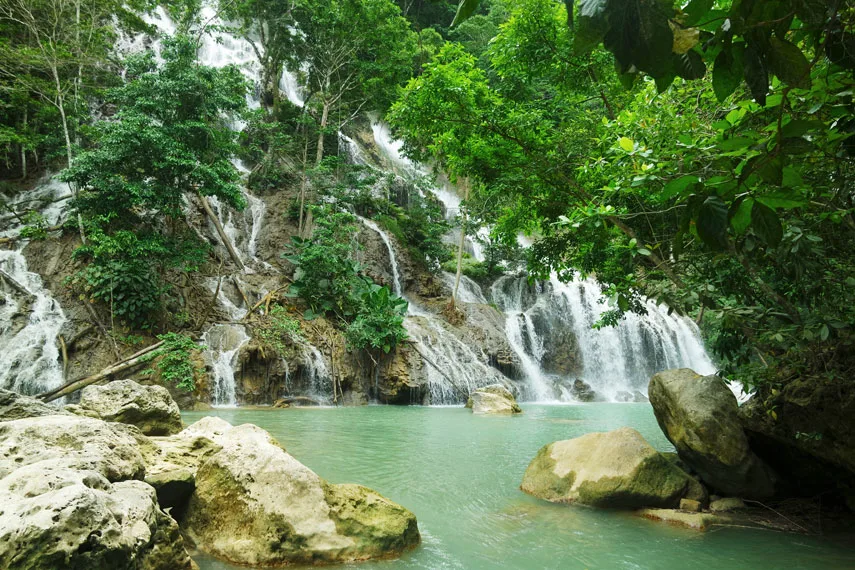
[[14, 406], [616, 469], [493, 399], [254, 504], [700, 416], [150, 408]]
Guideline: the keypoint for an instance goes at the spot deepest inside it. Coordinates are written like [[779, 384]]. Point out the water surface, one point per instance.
[[460, 475]]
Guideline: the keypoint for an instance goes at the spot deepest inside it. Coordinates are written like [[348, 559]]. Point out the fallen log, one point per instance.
[[221, 232], [460, 391], [75, 385]]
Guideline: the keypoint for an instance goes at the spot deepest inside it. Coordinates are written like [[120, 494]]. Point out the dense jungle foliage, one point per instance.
[[697, 152]]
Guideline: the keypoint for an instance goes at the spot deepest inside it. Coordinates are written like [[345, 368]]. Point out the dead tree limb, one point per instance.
[[222, 233]]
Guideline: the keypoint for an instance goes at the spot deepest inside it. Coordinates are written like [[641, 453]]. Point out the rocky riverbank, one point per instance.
[[715, 466], [86, 492]]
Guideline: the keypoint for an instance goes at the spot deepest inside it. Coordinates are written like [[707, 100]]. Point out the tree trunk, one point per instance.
[[24, 149], [60, 103], [76, 385], [303, 184], [223, 237], [325, 115]]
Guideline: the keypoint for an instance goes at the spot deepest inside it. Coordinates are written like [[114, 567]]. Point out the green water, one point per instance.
[[460, 475]]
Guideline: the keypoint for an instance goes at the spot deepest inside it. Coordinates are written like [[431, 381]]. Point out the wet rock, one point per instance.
[[583, 392], [14, 406], [150, 408], [493, 399], [699, 415], [55, 517], [255, 504], [810, 440], [690, 505], [726, 504], [634, 396], [613, 469], [698, 521]]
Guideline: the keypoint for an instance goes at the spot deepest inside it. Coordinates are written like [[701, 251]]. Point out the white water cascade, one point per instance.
[[30, 325]]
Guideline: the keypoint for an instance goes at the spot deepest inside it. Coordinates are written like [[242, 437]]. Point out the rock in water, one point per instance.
[[613, 469], [699, 415], [256, 505], [493, 399], [150, 408]]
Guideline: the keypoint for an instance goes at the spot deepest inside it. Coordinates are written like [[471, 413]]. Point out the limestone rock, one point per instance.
[[150, 408], [698, 521], [613, 469], [254, 504], [690, 505], [14, 406], [699, 415], [726, 504], [56, 517], [810, 441], [493, 399], [81, 443]]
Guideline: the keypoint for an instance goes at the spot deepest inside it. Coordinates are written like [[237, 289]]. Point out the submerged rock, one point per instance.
[[493, 399], [699, 415], [613, 469], [255, 504], [695, 520], [150, 408]]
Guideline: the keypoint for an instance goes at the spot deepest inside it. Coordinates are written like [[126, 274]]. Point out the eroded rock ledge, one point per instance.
[[79, 492]]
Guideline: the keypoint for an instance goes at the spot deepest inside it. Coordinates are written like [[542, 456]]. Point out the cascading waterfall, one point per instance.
[[29, 356], [454, 369], [224, 343]]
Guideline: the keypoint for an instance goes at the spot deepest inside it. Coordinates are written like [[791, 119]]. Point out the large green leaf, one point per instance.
[[712, 222], [766, 224], [678, 187], [788, 62], [689, 65], [464, 10], [740, 218], [756, 74], [727, 71], [697, 11], [785, 200]]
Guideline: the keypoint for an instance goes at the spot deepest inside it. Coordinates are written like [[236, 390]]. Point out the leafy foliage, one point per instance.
[[278, 330], [379, 324], [173, 360]]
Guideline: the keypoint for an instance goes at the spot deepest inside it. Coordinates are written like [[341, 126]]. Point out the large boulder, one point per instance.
[[613, 469], [806, 432], [14, 406], [493, 399], [150, 408], [256, 505], [171, 465], [700, 416], [55, 517], [79, 443]]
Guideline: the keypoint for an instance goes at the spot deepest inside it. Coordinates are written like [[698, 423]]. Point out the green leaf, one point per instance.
[[788, 62], [689, 65], [800, 127], [626, 144], [591, 25], [677, 187], [697, 11], [766, 224], [735, 143], [728, 71], [464, 10], [741, 218], [792, 178], [712, 222], [644, 251], [756, 74], [782, 200]]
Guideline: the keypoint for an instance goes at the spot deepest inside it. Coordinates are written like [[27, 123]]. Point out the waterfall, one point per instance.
[[30, 326], [224, 343]]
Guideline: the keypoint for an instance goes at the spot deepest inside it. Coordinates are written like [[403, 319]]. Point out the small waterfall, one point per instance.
[[30, 326], [316, 373], [224, 343], [397, 288], [467, 292]]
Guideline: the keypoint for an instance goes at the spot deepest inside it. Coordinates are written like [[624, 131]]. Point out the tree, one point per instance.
[[269, 27], [169, 141], [354, 52], [683, 189]]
